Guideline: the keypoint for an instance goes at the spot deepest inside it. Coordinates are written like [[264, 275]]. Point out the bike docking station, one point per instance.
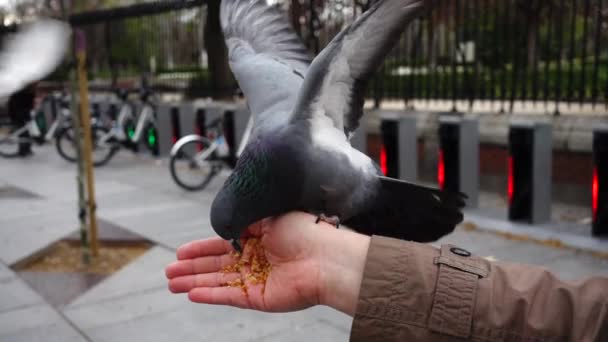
[[458, 158], [599, 185], [169, 130], [529, 171], [399, 150]]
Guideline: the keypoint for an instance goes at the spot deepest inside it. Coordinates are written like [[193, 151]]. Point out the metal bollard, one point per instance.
[[529, 174], [399, 151], [599, 187], [164, 126], [458, 166], [187, 119]]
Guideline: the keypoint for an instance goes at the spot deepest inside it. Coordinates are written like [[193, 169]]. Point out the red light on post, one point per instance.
[[383, 163], [441, 171], [595, 190], [510, 185]]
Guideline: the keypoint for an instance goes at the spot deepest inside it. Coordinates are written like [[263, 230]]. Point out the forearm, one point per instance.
[[344, 253]]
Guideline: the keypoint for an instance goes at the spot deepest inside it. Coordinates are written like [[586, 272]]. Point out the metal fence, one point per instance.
[[548, 51], [164, 44], [552, 52]]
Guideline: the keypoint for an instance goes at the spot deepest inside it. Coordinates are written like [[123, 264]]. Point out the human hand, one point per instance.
[[311, 264]]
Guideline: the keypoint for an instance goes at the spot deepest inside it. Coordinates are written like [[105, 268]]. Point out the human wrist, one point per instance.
[[345, 253]]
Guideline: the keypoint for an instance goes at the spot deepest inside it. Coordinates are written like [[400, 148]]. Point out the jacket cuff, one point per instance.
[[411, 290]]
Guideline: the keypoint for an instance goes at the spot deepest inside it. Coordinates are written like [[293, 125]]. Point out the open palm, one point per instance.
[[291, 248]]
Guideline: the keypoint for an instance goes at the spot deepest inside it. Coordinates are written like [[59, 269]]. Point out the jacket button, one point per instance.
[[460, 251]]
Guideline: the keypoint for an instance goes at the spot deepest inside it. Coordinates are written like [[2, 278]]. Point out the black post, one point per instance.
[[571, 55], [600, 182], [583, 86], [596, 57]]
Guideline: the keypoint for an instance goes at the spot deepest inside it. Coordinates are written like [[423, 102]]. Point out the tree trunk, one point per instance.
[[222, 82]]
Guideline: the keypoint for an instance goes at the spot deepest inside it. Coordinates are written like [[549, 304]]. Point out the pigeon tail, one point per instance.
[[411, 212]]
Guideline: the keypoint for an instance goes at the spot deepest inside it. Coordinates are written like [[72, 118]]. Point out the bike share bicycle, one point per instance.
[[36, 127], [127, 129], [196, 160]]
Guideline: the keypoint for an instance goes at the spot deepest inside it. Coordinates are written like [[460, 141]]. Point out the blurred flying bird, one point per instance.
[[32, 54], [299, 156]]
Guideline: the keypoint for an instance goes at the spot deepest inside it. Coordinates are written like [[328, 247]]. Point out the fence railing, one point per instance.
[[553, 52], [549, 51]]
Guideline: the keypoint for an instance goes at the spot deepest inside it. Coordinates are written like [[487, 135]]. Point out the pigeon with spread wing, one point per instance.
[[299, 155]]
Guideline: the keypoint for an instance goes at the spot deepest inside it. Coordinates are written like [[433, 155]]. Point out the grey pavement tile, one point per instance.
[[564, 262], [36, 323], [330, 316], [60, 288], [21, 240], [154, 316], [34, 210], [179, 233], [318, 332], [145, 273], [5, 272], [111, 187], [486, 244], [129, 308], [14, 293], [576, 266], [134, 208]]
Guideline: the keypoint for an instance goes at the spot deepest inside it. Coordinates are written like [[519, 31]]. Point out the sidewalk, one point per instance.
[[134, 304]]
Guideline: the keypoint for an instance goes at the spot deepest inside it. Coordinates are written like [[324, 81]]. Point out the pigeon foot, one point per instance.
[[333, 220]]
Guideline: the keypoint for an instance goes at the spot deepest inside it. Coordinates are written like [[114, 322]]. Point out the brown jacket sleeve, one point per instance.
[[415, 292]]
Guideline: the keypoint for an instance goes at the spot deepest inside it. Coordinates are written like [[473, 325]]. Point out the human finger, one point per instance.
[[206, 264], [189, 282], [201, 248], [232, 296]]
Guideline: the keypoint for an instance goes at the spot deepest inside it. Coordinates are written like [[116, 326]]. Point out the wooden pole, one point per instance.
[[83, 84], [82, 196]]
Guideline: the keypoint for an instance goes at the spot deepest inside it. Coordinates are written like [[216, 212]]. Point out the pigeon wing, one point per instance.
[[336, 81], [267, 58]]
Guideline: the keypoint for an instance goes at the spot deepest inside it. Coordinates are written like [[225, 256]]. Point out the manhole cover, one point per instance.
[[9, 191]]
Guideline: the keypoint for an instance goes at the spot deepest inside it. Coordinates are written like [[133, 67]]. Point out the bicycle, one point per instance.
[[11, 137], [196, 160], [64, 139], [126, 131]]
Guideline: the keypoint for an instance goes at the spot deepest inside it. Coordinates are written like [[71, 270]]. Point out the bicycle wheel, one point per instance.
[[66, 147], [9, 145], [189, 172]]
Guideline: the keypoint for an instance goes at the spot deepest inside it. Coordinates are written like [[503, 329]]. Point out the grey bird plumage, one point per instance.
[[299, 156]]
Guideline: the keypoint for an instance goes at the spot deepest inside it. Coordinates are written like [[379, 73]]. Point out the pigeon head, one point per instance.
[[245, 198]]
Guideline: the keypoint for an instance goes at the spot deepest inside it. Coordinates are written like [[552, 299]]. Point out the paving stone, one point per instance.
[[318, 332], [128, 308], [5, 272], [153, 316], [21, 240], [36, 323], [14, 293], [60, 288], [143, 274], [577, 266]]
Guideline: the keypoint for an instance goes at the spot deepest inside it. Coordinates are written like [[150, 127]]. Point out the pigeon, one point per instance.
[[32, 53], [299, 156]]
